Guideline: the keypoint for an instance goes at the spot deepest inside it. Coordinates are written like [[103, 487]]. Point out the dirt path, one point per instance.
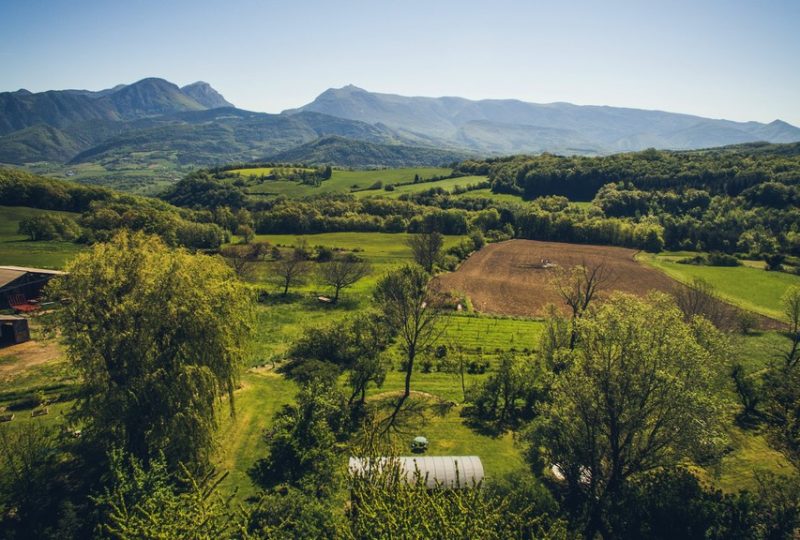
[[19, 358]]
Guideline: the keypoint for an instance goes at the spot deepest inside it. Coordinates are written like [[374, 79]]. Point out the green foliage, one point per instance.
[[288, 513], [50, 227], [386, 506], [149, 502], [158, 336], [633, 397], [301, 442], [508, 395]]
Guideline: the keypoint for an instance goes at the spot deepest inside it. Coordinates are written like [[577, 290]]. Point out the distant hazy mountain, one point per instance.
[[157, 122], [360, 154], [61, 108], [512, 126], [206, 96]]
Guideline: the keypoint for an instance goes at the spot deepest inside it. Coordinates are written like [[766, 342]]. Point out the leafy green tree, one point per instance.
[[149, 502], [636, 396], [409, 307], [782, 386], [288, 513], [158, 337], [302, 442], [50, 227], [426, 248]]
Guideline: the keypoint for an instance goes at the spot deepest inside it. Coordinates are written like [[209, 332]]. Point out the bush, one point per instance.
[[716, 258]]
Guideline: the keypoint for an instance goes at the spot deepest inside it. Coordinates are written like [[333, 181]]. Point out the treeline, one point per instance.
[[720, 171], [102, 213]]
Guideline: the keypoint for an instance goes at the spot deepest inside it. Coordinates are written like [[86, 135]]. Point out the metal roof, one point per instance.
[[11, 273], [435, 471]]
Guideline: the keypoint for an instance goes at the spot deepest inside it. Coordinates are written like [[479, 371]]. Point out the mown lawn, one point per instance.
[[750, 288]]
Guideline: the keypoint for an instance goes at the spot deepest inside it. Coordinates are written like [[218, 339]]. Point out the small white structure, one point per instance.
[[442, 472]]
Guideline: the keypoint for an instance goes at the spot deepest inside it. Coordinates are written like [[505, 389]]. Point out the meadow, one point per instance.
[[342, 181], [748, 286], [17, 250]]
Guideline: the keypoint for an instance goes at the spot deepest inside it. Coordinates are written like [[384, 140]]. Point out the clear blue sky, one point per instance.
[[718, 58]]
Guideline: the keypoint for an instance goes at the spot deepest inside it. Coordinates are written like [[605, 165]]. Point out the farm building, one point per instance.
[[437, 472], [21, 288], [13, 330]]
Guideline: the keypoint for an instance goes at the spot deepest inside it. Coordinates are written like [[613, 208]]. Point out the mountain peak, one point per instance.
[[205, 95]]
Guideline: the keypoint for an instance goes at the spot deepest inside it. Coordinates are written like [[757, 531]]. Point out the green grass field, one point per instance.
[[750, 288], [447, 184], [343, 181], [16, 250]]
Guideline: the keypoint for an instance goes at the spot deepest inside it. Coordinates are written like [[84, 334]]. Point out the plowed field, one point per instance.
[[516, 277]]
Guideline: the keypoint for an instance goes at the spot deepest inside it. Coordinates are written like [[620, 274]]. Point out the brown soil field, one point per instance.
[[508, 278]]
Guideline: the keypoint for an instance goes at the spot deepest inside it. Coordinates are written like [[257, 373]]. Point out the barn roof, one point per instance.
[[11, 273], [435, 471]]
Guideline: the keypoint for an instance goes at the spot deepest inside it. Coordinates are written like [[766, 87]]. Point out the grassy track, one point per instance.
[[744, 286]]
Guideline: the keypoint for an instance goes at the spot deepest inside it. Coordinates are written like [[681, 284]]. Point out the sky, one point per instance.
[[731, 59]]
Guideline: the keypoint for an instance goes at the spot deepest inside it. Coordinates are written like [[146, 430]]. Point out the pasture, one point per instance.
[[17, 250], [448, 184], [748, 287], [343, 181]]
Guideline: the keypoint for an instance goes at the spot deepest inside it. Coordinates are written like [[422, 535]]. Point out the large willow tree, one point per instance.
[[158, 336]]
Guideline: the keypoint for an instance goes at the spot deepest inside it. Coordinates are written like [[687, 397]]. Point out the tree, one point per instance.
[[791, 308], [301, 442], [49, 227], [636, 396], [148, 502], [291, 270], [342, 272], [579, 286], [246, 232], [242, 258], [157, 337], [385, 504], [782, 386], [427, 249], [409, 306], [700, 299]]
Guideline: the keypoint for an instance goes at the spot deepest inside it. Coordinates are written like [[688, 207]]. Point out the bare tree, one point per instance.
[[291, 270], [342, 272], [700, 299], [243, 258], [426, 249], [791, 307], [579, 286], [409, 305]]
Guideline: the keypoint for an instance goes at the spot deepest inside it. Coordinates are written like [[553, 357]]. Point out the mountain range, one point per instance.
[[156, 121], [507, 126]]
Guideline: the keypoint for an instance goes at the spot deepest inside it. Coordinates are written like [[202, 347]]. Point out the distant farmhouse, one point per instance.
[[21, 287]]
